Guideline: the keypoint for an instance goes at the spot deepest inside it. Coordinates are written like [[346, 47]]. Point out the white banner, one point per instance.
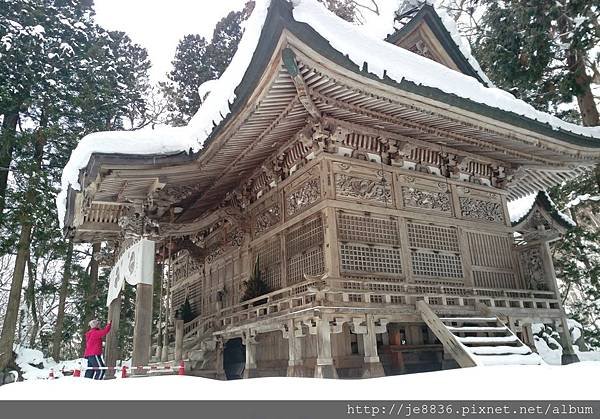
[[136, 266]]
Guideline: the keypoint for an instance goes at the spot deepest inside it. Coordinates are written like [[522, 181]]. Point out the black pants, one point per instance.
[[93, 362]]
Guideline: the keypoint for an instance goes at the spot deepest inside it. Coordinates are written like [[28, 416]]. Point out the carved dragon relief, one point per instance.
[[304, 196], [481, 210], [362, 188], [420, 198]]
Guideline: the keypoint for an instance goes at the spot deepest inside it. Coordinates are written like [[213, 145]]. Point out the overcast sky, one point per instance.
[[158, 25]]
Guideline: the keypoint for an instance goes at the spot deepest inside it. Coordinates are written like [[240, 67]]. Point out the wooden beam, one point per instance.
[[427, 130], [289, 61]]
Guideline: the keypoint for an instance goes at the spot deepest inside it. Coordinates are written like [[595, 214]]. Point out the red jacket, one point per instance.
[[93, 340]]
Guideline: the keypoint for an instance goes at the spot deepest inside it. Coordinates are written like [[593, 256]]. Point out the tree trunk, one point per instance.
[[62, 299], [12, 310], [7, 145], [31, 303], [9, 326], [90, 298], [585, 98]]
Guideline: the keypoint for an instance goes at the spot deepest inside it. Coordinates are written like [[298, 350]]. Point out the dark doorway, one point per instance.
[[234, 359]]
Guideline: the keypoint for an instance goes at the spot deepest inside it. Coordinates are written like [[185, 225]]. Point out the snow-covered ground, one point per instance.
[[571, 382]]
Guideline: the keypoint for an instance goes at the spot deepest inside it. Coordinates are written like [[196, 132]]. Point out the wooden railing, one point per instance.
[[370, 293]]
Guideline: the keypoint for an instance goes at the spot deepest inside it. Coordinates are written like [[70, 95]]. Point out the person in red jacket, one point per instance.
[[93, 350]]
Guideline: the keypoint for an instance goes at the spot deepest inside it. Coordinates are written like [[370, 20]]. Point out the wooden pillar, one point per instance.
[[324, 367], [568, 355], [250, 370], [219, 370], [527, 336], [142, 330], [414, 334], [178, 340], [111, 349], [331, 251], [372, 365], [295, 363]]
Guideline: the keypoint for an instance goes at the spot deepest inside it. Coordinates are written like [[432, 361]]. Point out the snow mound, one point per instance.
[[457, 384], [35, 366]]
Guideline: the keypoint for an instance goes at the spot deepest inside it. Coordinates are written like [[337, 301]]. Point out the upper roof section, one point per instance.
[[256, 106], [431, 33]]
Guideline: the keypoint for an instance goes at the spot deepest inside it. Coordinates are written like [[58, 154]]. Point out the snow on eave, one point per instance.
[[163, 141], [387, 60], [215, 107], [520, 209]]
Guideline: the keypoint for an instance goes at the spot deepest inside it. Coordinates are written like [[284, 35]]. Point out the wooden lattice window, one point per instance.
[[438, 265], [310, 262], [195, 297], [305, 236], [269, 255], [434, 251], [432, 237], [365, 258], [367, 229], [178, 298], [304, 250]]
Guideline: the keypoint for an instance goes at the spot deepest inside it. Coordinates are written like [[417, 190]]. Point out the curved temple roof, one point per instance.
[[343, 44]]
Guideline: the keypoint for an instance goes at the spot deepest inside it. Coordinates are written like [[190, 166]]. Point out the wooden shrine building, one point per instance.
[[370, 204]]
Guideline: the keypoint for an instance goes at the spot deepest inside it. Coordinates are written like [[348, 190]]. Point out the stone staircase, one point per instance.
[[478, 341]]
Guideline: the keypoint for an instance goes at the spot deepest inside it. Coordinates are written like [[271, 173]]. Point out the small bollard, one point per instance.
[[77, 371], [124, 371], [181, 368]]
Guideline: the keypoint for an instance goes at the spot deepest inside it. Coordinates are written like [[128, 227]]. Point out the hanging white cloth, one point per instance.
[[135, 266]]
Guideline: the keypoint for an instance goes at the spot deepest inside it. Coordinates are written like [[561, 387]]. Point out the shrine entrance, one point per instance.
[[234, 359]]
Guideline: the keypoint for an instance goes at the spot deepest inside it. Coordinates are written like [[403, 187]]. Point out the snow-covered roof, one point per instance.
[[520, 209], [384, 61], [417, 7]]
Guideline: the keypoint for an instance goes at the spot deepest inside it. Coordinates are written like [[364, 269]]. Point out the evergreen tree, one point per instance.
[[190, 70], [255, 286], [541, 52], [65, 77]]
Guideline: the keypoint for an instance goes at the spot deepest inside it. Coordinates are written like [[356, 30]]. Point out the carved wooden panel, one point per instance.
[[363, 189], [480, 205], [357, 182], [480, 210], [532, 267], [267, 218], [425, 194], [303, 196], [424, 199]]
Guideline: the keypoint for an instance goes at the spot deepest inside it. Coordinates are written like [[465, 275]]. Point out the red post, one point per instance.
[[51, 375], [181, 368], [77, 371], [123, 371]]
